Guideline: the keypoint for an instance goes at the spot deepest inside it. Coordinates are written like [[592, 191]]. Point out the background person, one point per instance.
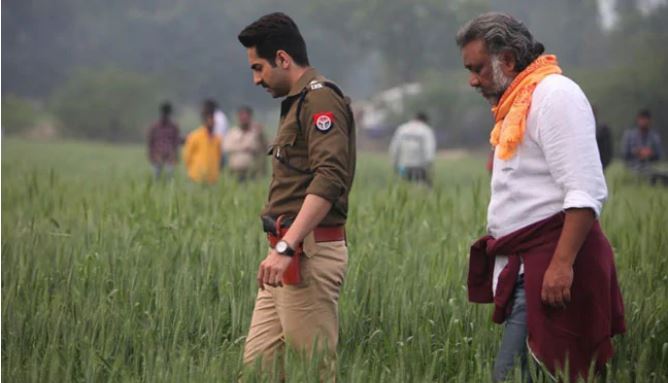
[[220, 127], [202, 150], [413, 148], [604, 141], [245, 146], [641, 144], [163, 142]]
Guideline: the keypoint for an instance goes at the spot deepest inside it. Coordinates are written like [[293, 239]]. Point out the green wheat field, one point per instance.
[[110, 276]]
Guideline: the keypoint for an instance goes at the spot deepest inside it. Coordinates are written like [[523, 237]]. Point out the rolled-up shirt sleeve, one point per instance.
[[328, 143], [567, 135]]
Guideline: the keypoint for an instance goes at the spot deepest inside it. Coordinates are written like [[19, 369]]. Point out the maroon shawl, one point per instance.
[[579, 334]]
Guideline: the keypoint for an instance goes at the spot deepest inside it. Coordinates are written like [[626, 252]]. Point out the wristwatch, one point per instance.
[[282, 248]]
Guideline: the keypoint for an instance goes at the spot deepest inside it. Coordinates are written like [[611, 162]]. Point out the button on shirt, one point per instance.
[[556, 167]]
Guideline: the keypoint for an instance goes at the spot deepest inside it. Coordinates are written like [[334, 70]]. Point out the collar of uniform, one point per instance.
[[306, 78]]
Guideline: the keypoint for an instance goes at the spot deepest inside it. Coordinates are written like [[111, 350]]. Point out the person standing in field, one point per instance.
[[413, 148], [245, 146], [641, 144], [313, 164], [163, 142], [220, 126], [545, 263], [604, 141], [202, 150]]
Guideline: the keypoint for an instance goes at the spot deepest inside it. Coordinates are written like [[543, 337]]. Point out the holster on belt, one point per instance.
[[275, 230]]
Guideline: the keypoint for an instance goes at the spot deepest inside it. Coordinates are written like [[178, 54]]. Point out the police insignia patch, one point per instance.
[[323, 121]]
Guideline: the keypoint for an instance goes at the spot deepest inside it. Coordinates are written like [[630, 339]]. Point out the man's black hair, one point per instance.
[[272, 32], [166, 108], [422, 116], [245, 108], [645, 112], [209, 108]]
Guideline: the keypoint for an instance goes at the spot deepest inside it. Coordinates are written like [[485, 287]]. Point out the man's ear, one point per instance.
[[283, 59], [508, 62]]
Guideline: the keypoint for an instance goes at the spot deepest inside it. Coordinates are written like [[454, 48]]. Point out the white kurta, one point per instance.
[[556, 167]]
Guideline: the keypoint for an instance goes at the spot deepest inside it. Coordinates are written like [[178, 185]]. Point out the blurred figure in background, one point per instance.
[[244, 146], [220, 126], [202, 150], [413, 148], [163, 142], [603, 140], [641, 144]]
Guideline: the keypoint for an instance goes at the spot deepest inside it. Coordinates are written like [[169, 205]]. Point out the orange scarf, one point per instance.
[[510, 113]]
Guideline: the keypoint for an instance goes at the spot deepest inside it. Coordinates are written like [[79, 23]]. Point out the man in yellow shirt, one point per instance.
[[202, 151]]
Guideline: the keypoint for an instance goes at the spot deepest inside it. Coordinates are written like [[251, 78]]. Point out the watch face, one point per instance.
[[281, 246]]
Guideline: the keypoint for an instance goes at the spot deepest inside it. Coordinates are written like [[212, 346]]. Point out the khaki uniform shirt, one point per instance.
[[319, 159]]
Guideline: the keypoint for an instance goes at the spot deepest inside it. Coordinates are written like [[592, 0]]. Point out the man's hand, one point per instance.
[[558, 277], [557, 283], [645, 152], [270, 272]]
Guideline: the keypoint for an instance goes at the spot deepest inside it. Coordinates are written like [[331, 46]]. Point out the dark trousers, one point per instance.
[[416, 174]]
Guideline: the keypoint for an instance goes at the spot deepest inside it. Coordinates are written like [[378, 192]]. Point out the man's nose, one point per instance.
[[257, 79], [474, 80]]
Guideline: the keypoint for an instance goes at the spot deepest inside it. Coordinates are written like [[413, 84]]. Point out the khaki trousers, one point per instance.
[[304, 316]]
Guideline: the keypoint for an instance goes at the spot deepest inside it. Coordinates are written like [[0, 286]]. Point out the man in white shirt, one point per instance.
[[220, 126], [245, 146], [546, 164], [413, 148]]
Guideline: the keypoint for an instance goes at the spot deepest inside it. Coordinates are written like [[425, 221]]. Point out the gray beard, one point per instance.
[[501, 81]]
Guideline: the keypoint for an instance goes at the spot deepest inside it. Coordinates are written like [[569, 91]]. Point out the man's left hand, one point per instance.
[[270, 272], [557, 283]]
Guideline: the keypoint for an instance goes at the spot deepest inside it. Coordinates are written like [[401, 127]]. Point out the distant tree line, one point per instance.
[[100, 68]]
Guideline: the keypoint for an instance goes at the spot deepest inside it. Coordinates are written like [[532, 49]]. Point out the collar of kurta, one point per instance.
[[304, 80]]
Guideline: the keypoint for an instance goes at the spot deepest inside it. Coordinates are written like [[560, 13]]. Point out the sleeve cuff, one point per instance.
[[581, 199], [325, 188]]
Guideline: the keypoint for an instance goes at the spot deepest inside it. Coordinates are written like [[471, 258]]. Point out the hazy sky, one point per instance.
[[607, 9]]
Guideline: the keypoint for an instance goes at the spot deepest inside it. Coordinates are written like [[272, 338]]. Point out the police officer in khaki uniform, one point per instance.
[[313, 163]]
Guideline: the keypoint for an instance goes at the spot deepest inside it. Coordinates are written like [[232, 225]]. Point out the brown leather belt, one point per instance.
[[320, 234], [329, 233], [275, 230]]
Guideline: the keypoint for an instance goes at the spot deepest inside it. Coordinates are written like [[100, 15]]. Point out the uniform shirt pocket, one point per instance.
[[289, 158]]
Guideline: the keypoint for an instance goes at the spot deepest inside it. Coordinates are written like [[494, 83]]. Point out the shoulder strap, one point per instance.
[[302, 97]]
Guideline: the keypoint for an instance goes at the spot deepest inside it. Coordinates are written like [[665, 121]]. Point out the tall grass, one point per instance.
[[108, 275]]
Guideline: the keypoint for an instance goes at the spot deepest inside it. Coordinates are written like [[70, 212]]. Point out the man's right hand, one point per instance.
[[270, 272]]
